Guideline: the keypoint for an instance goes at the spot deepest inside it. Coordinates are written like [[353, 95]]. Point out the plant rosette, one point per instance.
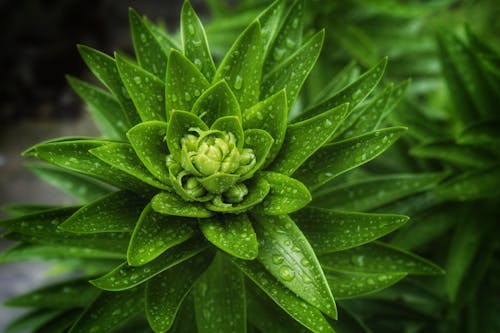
[[202, 184]]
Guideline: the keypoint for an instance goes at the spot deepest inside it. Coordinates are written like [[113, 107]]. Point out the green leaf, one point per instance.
[[68, 294], [287, 195], [353, 94], [330, 230], [166, 292], [378, 257], [343, 78], [288, 256], [288, 39], [123, 157], [292, 73], [450, 152], [269, 21], [301, 311], [260, 142], [304, 138], [368, 117], [110, 310], [184, 83], [242, 66], [39, 222], [484, 183], [150, 55], [85, 189], [219, 182], [231, 233], [61, 323], [270, 115], [74, 155], [267, 316], [377, 191], [105, 109], [338, 157], [230, 124], [257, 191], [194, 41], [179, 125], [219, 299], [350, 285], [104, 68], [171, 204], [21, 209], [154, 233], [116, 212], [216, 102], [145, 89], [50, 252], [149, 142], [125, 277]]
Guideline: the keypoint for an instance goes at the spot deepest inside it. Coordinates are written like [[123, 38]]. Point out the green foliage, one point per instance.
[[207, 185]]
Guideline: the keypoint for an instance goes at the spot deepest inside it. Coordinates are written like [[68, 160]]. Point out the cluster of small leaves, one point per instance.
[[159, 258]]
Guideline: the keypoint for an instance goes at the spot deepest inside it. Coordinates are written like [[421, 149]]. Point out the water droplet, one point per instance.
[[278, 259], [286, 273], [295, 23], [137, 80], [187, 96], [358, 260], [197, 62], [191, 29], [278, 53], [290, 43], [238, 82], [159, 98], [143, 37], [125, 93], [174, 98]]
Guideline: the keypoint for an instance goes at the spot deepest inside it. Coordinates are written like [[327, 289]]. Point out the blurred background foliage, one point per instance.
[[444, 173]]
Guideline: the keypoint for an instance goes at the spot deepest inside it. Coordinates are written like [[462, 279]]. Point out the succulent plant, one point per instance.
[[197, 201]]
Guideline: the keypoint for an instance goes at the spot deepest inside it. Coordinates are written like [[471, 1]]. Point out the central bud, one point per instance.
[[211, 166]]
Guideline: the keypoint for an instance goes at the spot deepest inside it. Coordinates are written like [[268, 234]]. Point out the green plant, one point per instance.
[[196, 209]]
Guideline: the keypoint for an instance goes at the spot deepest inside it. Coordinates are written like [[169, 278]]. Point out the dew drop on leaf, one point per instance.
[[286, 273], [238, 82]]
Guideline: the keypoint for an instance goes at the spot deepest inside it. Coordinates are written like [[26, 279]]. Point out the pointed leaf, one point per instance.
[[257, 191], [125, 277], [347, 285], [105, 109], [179, 125], [31, 320], [109, 311], [270, 115], [330, 230], [336, 158], [231, 233], [154, 233], [484, 133], [292, 73], [150, 55], [61, 323], [288, 256], [85, 189], [166, 292], [194, 41], [378, 257], [171, 204], [288, 38], [242, 66], [75, 156], [375, 192], [216, 102], [122, 156], [287, 195], [116, 212], [145, 89], [303, 312], [67, 294], [304, 138], [149, 142], [260, 142], [219, 298], [269, 21], [184, 83], [353, 94], [104, 68], [230, 124]]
